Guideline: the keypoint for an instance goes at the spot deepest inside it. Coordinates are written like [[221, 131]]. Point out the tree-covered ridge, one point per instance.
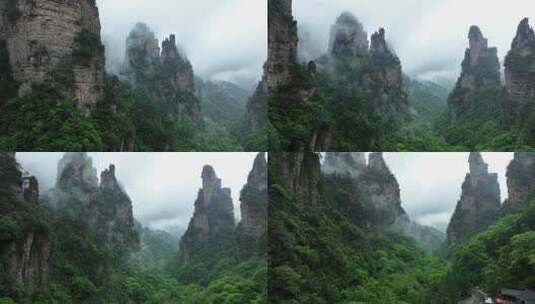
[[500, 257], [335, 252], [80, 255]]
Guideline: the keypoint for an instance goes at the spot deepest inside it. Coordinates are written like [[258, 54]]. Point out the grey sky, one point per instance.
[[429, 36], [431, 182], [224, 40], [162, 186]]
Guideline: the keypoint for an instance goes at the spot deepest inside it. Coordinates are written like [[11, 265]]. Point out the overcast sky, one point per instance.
[[429, 36], [162, 186], [224, 40], [430, 183]]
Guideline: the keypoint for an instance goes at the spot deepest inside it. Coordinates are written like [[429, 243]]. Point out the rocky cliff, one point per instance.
[[520, 182], [104, 207], [479, 204], [520, 75], [56, 43], [212, 224], [164, 73], [25, 247], [375, 196], [376, 71], [253, 225], [282, 44], [299, 173], [480, 71], [110, 214]]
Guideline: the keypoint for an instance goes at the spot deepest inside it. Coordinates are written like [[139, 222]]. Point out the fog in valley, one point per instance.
[[162, 186]]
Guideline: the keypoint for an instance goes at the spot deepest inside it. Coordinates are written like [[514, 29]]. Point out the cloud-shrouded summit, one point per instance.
[[224, 40], [161, 186], [423, 34]]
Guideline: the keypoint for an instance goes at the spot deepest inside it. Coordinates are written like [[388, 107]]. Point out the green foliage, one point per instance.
[[503, 256], [45, 121], [86, 45], [329, 255]]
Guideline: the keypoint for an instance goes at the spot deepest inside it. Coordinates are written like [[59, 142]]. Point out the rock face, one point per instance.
[[257, 108], [520, 74], [299, 173], [377, 72], [110, 214], [380, 188], [105, 208], [282, 44], [56, 43], [376, 196], [212, 224], [480, 71], [479, 205], [348, 37], [24, 254], [253, 197], [165, 74], [384, 79], [520, 181]]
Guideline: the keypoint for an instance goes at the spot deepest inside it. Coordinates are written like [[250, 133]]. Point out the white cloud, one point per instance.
[[429, 36], [224, 40], [162, 186]]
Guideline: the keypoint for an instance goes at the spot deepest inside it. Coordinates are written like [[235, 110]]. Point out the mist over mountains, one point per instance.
[[211, 34], [429, 45]]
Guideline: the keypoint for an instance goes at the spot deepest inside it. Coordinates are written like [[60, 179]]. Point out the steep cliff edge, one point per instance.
[[104, 207], [165, 74], [56, 44], [520, 182], [252, 228], [212, 225], [480, 75], [520, 76], [25, 246], [479, 204], [374, 197]]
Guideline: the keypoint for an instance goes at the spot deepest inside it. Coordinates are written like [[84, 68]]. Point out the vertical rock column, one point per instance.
[[479, 205]]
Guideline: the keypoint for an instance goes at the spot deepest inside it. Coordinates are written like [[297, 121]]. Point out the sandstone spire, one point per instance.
[[348, 37], [282, 44], [212, 224], [479, 205], [520, 75], [520, 181], [253, 197], [480, 71]]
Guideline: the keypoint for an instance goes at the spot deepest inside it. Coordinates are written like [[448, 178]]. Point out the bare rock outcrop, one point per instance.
[[24, 251], [56, 43], [520, 182], [110, 214], [253, 225], [479, 204], [212, 225], [299, 173], [520, 75], [480, 72], [282, 44]]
